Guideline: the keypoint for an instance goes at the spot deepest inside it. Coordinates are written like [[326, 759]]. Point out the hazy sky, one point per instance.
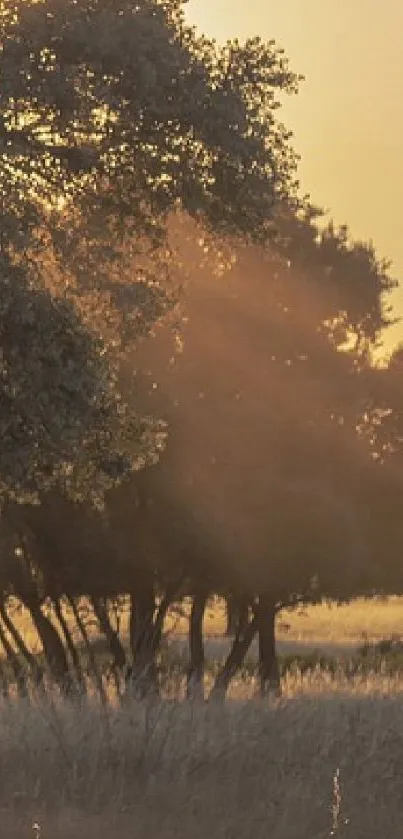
[[348, 117]]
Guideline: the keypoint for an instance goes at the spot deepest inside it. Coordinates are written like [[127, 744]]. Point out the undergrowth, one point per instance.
[[303, 768]]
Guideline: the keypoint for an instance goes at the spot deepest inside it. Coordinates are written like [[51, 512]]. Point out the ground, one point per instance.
[[311, 768], [325, 626], [326, 760]]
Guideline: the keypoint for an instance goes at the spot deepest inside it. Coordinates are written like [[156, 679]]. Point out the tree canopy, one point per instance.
[[113, 116], [136, 155]]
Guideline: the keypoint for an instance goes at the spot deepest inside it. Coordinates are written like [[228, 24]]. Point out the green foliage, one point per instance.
[[118, 122], [111, 118], [349, 284], [56, 393], [149, 111]]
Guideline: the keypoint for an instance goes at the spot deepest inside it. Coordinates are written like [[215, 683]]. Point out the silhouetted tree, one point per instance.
[[262, 407], [128, 141], [174, 121]]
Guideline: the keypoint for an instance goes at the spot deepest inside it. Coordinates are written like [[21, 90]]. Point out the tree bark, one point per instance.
[[19, 642], [54, 651], [15, 664], [195, 675], [269, 675], [115, 647], [142, 676], [234, 660], [237, 615], [90, 652], [4, 683], [72, 649], [231, 616]]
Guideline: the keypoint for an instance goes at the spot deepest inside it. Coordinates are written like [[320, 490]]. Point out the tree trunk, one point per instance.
[[4, 683], [237, 615], [115, 647], [195, 676], [231, 616], [234, 660], [72, 649], [160, 617], [54, 651], [15, 664], [19, 642], [269, 676], [142, 676], [90, 652]]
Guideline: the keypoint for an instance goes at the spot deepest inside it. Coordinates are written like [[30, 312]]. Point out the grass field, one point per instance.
[[326, 760], [323, 625], [328, 623], [308, 768]]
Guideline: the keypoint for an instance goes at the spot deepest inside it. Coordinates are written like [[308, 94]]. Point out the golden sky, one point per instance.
[[348, 117]]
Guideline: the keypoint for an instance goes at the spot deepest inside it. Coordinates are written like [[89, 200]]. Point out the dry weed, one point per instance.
[[306, 768]]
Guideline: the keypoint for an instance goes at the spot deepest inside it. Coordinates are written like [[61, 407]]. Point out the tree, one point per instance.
[[263, 405], [382, 426], [61, 422], [263, 462], [123, 136], [112, 118], [346, 280], [132, 94]]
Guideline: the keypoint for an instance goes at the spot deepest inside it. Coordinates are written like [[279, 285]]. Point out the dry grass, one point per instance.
[[177, 770], [330, 624], [245, 769], [328, 757], [348, 624], [323, 625]]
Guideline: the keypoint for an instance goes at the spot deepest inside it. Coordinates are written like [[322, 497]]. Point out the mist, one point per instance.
[[253, 445]]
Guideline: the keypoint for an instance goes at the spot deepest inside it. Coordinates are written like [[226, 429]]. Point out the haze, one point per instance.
[[348, 117]]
